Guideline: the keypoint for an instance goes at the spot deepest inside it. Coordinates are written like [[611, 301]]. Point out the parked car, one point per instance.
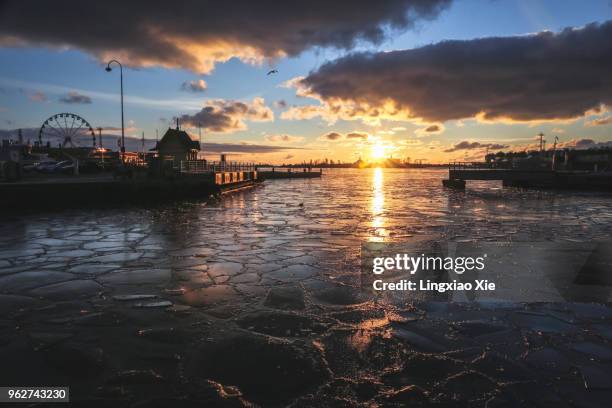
[[46, 167], [66, 167]]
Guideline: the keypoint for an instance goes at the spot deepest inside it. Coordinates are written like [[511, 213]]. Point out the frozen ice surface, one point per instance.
[[257, 299]]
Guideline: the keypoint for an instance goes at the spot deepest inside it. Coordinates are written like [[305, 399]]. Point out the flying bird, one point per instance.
[[273, 71]]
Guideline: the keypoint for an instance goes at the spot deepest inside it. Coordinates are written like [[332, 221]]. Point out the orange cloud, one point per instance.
[[283, 138]]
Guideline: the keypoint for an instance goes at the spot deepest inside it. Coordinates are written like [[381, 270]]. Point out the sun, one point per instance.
[[378, 151]]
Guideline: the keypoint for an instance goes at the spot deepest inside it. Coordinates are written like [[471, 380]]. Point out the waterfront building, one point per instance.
[[177, 145]]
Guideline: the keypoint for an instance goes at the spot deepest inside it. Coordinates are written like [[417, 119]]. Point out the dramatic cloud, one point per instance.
[[466, 145], [196, 34], [75, 98], [283, 138], [599, 121], [228, 116], [196, 85], [541, 77]]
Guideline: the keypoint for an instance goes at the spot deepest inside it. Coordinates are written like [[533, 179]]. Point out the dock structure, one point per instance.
[[161, 180], [460, 172], [288, 172], [159, 183]]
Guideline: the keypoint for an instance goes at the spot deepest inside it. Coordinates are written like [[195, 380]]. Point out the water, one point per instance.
[[181, 299]]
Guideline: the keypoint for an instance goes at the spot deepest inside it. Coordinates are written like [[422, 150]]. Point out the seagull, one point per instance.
[[273, 71]]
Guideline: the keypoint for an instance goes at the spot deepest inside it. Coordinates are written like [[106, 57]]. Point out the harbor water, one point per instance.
[[256, 298]]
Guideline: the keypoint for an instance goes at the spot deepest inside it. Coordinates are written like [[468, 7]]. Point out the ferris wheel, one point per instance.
[[68, 127]]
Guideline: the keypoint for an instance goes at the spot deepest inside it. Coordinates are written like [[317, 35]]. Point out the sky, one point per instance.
[[437, 80]]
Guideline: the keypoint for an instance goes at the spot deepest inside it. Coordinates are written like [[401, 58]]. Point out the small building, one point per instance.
[[177, 145]]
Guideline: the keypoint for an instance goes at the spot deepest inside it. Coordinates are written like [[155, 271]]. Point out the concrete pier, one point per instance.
[[458, 174], [103, 190]]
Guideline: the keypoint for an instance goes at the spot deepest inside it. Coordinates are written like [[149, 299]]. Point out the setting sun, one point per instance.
[[378, 151]]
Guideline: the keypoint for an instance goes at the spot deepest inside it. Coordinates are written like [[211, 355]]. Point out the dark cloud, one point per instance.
[[228, 116], [332, 136], [75, 98], [196, 85], [545, 76], [195, 34], [429, 130], [466, 145]]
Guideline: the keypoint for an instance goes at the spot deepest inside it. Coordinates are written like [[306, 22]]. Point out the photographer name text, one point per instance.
[[413, 264]]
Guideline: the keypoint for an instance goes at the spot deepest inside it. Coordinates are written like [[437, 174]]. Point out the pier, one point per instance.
[[157, 182], [460, 172], [288, 172]]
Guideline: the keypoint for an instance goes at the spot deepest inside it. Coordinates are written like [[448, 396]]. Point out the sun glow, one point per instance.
[[379, 151]]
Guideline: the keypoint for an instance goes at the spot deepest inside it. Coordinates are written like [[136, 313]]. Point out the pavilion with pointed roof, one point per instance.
[[178, 146]]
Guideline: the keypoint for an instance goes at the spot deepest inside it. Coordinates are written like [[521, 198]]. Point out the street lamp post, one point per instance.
[[109, 69]]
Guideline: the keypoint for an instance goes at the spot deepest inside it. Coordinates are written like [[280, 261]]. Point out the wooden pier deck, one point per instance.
[[460, 172]]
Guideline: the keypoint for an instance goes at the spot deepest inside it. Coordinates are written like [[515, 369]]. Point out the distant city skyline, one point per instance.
[[437, 80]]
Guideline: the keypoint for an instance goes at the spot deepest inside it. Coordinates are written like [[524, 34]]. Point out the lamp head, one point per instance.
[[108, 68]]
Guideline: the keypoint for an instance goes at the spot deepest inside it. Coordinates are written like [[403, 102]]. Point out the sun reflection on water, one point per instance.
[[377, 205]]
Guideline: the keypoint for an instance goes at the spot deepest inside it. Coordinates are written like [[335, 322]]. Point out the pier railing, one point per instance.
[[275, 169], [204, 166], [471, 166]]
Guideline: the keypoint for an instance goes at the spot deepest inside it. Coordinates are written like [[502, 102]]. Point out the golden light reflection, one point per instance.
[[362, 338], [377, 205]]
